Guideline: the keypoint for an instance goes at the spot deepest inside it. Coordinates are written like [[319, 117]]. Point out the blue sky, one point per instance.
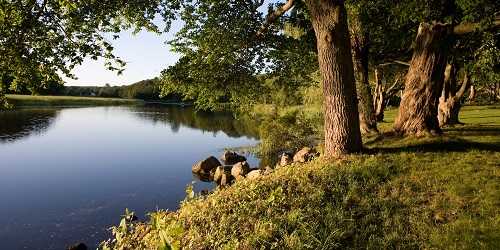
[[146, 55]]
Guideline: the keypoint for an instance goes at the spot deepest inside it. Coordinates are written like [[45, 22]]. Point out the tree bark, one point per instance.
[[472, 94], [379, 100], [342, 133], [450, 100], [424, 81], [360, 52], [382, 95]]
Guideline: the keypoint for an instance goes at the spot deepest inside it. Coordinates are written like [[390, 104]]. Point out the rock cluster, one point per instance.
[[236, 168], [304, 155]]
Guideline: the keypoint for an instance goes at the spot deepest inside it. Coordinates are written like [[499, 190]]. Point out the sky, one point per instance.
[[146, 55]]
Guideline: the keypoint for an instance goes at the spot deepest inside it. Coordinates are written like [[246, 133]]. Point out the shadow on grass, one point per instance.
[[440, 146], [481, 116], [474, 131], [444, 143]]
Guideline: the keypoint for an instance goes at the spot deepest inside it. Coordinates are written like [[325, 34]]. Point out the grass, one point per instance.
[[404, 193], [28, 100]]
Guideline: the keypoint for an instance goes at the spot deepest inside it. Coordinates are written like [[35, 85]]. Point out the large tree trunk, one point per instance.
[[424, 81], [342, 133], [360, 51]]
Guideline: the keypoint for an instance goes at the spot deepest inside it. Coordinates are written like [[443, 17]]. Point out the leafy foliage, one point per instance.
[[287, 132], [225, 61]]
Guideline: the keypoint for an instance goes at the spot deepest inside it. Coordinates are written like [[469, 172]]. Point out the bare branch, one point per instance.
[[394, 62], [402, 63], [272, 16], [393, 87], [464, 87], [465, 28]]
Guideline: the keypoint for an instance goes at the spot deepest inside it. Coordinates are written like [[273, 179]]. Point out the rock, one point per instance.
[[225, 179], [78, 246], [202, 176], [231, 158], [205, 166], [240, 168], [304, 155], [219, 171], [254, 174], [252, 169], [285, 160]]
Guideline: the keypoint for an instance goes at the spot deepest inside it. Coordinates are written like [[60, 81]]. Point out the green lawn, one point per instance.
[[404, 193], [28, 100]]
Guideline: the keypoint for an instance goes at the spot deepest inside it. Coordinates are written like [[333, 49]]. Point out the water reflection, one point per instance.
[[18, 124], [204, 121]]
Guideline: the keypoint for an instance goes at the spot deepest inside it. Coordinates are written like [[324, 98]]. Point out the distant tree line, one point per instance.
[[146, 90]]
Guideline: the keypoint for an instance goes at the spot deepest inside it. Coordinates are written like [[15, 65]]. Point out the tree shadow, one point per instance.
[[439, 146], [474, 131], [482, 116], [444, 143]]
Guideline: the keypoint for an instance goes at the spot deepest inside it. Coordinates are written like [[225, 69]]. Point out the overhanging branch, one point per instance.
[[465, 28], [272, 16]]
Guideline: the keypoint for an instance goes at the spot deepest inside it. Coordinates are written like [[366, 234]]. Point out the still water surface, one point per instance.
[[66, 175]]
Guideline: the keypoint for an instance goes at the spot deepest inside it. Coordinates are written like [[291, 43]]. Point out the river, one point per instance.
[[67, 174]]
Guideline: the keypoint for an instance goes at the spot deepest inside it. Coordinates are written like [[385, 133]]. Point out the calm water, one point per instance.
[[66, 175]]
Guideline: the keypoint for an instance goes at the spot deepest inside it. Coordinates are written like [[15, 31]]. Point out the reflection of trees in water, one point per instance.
[[205, 121], [17, 124]]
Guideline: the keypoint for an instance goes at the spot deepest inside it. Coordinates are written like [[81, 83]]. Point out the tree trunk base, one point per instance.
[[448, 111], [424, 82], [342, 132]]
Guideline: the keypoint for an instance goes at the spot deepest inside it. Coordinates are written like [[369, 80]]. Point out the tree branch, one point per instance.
[[465, 28], [271, 17], [464, 87], [393, 87], [394, 62]]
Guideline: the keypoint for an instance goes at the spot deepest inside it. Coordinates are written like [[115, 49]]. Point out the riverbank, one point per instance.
[[433, 192], [28, 100]]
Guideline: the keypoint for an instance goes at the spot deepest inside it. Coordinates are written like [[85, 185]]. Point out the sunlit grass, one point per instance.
[[28, 100]]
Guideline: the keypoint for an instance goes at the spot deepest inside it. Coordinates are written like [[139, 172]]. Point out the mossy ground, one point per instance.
[[406, 193]]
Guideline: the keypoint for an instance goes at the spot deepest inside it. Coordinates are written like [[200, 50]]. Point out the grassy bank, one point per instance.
[[409, 193], [27, 100]]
